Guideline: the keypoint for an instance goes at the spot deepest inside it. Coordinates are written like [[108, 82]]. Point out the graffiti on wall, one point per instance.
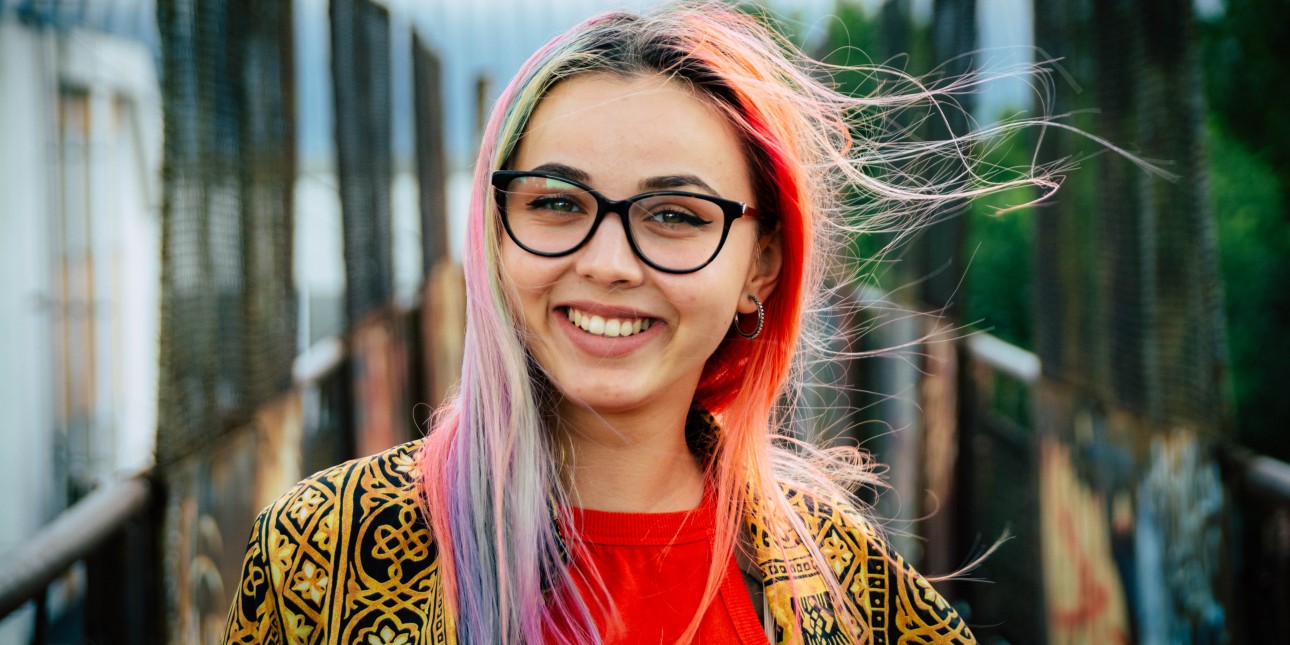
[[212, 498], [1082, 585], [1178, 544]]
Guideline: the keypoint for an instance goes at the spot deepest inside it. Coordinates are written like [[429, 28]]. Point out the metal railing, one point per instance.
[[27, 570], [1261, 476], [1260, 490]]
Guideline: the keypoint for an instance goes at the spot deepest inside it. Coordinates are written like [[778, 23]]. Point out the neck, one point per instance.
[[628, 463]]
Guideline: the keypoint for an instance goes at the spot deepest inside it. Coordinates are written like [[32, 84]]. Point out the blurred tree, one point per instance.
[[1254, 254], [998, 293], [1245, 49], [988, 277], [873, 51]]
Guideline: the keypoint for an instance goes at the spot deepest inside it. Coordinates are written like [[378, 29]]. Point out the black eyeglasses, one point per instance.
[[670, 230]]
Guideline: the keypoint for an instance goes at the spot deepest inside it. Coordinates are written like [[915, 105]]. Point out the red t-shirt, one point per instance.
[[654, 567]]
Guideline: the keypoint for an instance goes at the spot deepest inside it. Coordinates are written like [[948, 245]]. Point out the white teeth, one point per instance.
[[608, 327]]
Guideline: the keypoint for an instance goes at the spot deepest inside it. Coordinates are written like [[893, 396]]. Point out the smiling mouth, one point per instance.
[[607, 327]]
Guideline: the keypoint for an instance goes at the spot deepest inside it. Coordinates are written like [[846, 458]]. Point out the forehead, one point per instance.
[[622, 131]]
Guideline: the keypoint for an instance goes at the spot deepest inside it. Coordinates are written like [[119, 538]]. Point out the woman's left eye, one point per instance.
[[677, 218]]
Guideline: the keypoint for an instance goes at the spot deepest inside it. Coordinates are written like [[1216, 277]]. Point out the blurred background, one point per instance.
[[229, 233]]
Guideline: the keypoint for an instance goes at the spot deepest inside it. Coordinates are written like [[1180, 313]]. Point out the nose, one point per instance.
[[608, 257]]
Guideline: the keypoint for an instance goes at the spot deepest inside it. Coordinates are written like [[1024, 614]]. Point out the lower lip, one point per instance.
[[604, 346]]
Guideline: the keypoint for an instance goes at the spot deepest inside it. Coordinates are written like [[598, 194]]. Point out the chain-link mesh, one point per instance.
[[431, 158], [1065, 260], [228, 314], [1188, 316], [1126, 271], [268, 174], [360, 33]]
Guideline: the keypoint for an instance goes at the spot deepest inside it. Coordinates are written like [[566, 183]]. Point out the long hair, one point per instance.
[[492, 488]]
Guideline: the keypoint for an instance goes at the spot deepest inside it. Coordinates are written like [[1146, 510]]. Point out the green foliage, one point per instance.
[[1254, 254], [865, 55], [852, 41], [997, 286], [997, 292], [1244, 54]]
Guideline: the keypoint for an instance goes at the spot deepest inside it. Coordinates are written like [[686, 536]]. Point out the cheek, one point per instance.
[[710, 304], [724, 286], [528, 278], [523, 269]]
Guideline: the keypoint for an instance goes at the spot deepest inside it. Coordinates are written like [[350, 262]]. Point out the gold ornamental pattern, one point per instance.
[[346, 557]]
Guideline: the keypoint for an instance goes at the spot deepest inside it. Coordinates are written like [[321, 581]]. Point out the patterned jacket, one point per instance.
[[345, 557]]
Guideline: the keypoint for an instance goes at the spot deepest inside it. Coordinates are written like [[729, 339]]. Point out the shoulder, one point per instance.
[[392, 471], [313, 510], [347, 532], [897, 602]]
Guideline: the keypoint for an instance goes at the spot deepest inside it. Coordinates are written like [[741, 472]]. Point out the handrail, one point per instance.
[[1260, 474], [27, 569], [1004, 357]]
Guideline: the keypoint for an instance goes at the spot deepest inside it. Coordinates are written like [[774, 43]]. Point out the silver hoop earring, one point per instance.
[[761, 320]]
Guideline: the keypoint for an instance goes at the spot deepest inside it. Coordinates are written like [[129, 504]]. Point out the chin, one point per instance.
[[607, 402]]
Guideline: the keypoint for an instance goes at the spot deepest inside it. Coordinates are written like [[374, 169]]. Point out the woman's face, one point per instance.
[[621, 137]]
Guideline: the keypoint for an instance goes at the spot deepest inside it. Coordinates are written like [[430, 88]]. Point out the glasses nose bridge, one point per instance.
[[620, 207]]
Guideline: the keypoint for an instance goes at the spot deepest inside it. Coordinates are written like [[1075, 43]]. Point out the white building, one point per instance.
[[80, 148]]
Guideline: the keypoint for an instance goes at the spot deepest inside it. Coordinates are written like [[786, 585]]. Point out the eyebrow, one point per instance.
[[677, 181], [662, 182], [564, 171]]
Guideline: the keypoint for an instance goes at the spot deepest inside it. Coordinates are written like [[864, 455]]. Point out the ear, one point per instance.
[[764, 272]]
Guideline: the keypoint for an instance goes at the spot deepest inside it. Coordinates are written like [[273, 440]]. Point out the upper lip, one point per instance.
[[605, 311]]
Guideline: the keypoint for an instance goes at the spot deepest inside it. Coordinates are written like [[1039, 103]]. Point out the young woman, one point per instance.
[[656, 205]]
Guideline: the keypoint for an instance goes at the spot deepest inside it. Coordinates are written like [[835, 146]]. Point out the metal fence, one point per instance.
[[114, 532], [1129, 298], [360, 35], [228, 304]]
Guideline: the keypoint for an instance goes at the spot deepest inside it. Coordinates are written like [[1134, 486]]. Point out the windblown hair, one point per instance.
[[826, 167]]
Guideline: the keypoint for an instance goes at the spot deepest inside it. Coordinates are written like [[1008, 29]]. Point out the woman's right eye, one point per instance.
[[555, 203]]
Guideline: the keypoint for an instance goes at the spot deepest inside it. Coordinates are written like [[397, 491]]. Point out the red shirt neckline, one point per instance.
[[644, 529], [597, 530]]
